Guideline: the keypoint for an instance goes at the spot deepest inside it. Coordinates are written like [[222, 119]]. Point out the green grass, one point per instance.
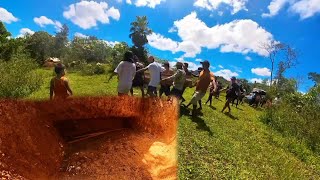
[[218, 146]]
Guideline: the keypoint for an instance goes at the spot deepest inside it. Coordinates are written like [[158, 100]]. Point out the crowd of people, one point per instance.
[[131, 74]]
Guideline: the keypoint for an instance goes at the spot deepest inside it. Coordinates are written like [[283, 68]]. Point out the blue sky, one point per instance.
[[228, 33]]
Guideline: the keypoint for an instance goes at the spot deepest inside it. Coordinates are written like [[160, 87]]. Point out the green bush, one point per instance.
[[299, 116], [92, 69], [19, 77]]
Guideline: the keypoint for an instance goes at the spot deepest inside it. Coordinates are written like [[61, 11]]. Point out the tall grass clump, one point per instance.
[[19, 77], [298, 115]]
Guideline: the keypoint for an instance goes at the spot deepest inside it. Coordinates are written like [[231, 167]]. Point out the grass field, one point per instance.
[[216, 145]]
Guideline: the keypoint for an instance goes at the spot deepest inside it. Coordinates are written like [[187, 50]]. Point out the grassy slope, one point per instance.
[[217, 146]]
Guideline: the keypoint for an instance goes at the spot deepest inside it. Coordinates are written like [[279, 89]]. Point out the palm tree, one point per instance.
[[139, 31]]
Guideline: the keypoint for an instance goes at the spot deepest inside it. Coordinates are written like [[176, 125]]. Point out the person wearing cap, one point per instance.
[[205, 78], [126, 71], [232, 93], [178, 79], [155, 70], [138, 80], [59, 85], [165, 82]]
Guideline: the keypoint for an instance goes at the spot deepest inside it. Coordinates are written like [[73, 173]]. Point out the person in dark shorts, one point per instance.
[[211, 94], [189, 75], [179, 79], [139, 77], [166, 82], [219, 87], [155, 70], [232, 94]]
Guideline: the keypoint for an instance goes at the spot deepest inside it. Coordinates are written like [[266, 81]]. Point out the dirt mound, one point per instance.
[[34, 146]]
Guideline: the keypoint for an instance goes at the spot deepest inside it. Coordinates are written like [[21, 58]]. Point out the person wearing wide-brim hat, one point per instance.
[[205, 78], [232, 93], [178, 79]]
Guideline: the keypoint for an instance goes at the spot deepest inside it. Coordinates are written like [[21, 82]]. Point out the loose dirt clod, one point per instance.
[[88, 138]]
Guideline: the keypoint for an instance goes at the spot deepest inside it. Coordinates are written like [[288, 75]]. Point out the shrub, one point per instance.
[[92, 69], [19, 78], [298, 115]]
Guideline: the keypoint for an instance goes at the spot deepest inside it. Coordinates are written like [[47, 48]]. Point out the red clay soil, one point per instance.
[[32, 146], [114, 156]]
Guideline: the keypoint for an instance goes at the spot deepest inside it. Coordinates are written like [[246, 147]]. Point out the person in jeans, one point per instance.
[[155, 70]]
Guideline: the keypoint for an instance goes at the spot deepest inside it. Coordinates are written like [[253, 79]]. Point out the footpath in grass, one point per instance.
[[215, 145]]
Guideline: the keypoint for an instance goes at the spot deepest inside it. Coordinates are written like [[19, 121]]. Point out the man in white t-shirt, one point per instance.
[[126, 71], [155, 69]]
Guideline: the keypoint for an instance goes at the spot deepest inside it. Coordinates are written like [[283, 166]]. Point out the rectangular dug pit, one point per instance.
[[81, 129], [87, 138]]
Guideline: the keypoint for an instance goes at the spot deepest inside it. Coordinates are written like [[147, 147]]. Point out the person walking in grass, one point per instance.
[[219, 88], [214, 93], [232, 93], [138, 80], [211, 93], [178, 79], [59, 85], [126, 71], [205, 78], [166, 82], [155, 70]]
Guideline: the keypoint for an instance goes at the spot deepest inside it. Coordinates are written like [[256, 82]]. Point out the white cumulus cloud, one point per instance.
[[274, 7], [43, 21], [261, 71], [111, 43], [240, 36], [258, 80], [86, 14], [306, 8], [6, 16], [148, 3], [220, 66], [191, 65], [80, 35], [159, 42], [248, 58], [24, 32], [236, 5], [198, 60], [226, 74]]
